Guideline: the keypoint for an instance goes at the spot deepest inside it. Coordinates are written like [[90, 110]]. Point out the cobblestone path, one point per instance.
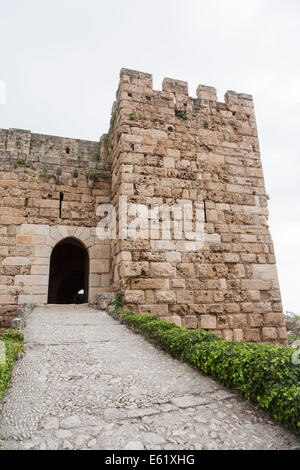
[[87, 382]]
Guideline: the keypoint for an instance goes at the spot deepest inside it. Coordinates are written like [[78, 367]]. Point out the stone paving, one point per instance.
[[87, 382]]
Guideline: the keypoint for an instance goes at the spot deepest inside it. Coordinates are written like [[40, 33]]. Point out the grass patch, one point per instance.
[[181, 115]]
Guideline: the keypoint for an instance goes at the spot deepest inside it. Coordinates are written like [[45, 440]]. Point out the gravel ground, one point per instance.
[[87, 382]]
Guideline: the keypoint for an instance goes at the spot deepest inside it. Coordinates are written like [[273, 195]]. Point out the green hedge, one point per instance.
[[263, 374], [13, 341]]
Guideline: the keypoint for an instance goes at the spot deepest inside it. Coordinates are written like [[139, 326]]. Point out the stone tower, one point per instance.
[[169, 165], [168, 149]]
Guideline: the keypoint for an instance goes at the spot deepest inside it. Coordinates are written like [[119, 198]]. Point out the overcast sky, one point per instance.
[[60, 62]]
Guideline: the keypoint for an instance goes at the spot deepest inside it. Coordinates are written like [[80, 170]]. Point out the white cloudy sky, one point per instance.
[[60, 61]]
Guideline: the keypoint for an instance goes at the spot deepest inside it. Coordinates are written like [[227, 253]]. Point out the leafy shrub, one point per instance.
[[118, 302], [133, 117], [13, 341], [263, 374]]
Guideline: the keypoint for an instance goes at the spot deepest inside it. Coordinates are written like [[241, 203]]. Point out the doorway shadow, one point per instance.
[[69, 273]]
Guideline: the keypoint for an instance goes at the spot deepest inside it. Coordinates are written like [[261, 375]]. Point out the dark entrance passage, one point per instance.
[[69, 272]]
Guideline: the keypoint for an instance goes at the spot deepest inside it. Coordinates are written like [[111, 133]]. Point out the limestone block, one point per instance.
[[190, 321], [126, 189], [175, 86], [149, 297], [255, 284], [252, 335], [124, 256], [202, 296], [173, 153], [177, 283], [169, 162], [84, 235], [158, 310], [39, 261], [186, 270], [30, 239], [269, 333], [196, 284], [208, 322], [254, 295], [35, 290], [4, 250], [228, 335], [238, 335], [265, 272], [255, 320], [162, 270], [247, 307], [173, 257], [94, 280], [216, 308], [49, 159], [238, 320], [231, 258], [42, 251], [282, 333], [212, 238], [15, 261], [134, 296], [164, 245], [206, 93], [173, 319], [134, 269], [7, 299], [165, 296], [31, 280], [150, 284], [184, 296], [34, 229], [212, 216], [32, 299], [89, 242], [273, 319], [40, 269], [99, 266], [99, 252], [183, 246]]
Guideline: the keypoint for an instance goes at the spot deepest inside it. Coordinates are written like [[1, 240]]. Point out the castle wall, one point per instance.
[[164, 151], [39, 208], [209, 155]]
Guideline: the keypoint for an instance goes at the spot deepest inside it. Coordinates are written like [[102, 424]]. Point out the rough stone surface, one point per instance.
[[84, 371], [164, 148]]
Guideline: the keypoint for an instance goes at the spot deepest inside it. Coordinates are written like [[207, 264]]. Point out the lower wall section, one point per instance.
[[246, 309]]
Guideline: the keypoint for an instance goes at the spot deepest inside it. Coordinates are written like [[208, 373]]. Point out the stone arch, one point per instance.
[[69, 272], [38, 241]]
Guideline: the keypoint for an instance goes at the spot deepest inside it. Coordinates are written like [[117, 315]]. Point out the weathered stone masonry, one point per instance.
[[229, 287], [34, 218]]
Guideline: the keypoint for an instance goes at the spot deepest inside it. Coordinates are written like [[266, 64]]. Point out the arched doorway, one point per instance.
[[69, 273]]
